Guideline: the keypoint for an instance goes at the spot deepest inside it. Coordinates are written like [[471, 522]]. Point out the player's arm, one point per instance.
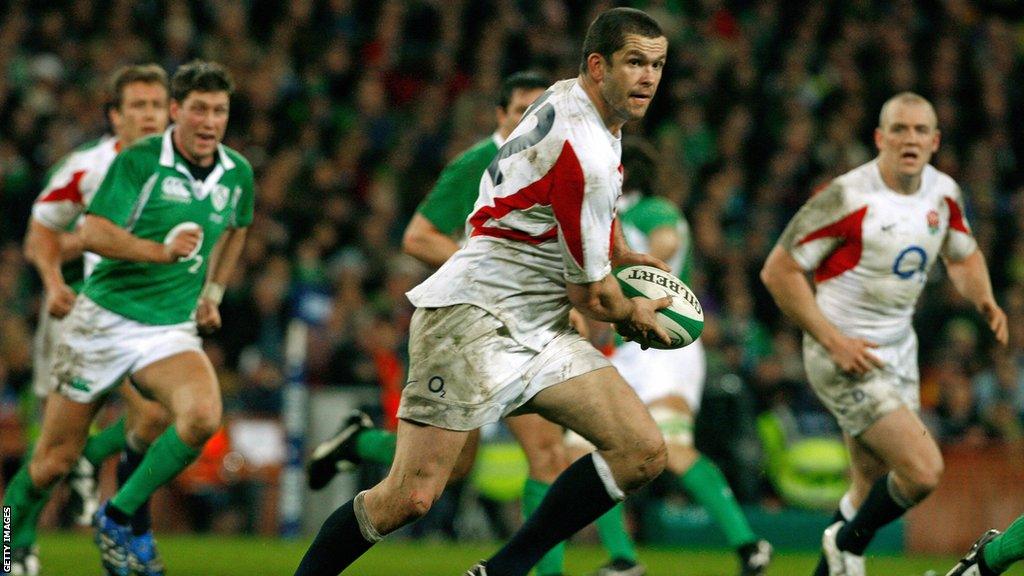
[[103, 237], [223, 259], [787, 282], [663, 242], [623, 255], [43, 247], [971, 279], [634, 317], [423, 241]]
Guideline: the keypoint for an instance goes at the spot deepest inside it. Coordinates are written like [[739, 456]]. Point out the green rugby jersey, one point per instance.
[[640, 216], [149, 192], [451, 200]]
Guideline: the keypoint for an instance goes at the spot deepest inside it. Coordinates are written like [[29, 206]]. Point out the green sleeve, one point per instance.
[[453, 196], [656, 214], [119, 192], [245, 203]]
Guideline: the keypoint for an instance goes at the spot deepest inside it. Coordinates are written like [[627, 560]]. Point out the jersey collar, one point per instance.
[[167, 152]]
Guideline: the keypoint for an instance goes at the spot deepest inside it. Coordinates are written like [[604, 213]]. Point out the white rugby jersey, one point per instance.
[[871, 247], [70, 187], [544, 217], [73, 183]]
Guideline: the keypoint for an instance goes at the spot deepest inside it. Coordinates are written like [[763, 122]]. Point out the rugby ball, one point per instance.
[[683, 319]]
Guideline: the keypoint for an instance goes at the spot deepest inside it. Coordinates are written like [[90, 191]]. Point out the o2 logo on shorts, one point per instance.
[[436, 385], [910, 261]]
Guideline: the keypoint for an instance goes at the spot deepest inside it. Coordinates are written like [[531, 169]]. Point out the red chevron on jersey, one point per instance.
[[69, 192], [846, 257]]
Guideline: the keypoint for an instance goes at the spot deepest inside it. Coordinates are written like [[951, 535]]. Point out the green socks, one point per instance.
[[105, 443], [163, 461], [533, 493], [26, 503], [374, 445], [612, 530], [705, 482], [1007, 548]]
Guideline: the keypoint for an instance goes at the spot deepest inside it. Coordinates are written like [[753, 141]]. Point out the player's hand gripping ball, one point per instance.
[[683, 319]]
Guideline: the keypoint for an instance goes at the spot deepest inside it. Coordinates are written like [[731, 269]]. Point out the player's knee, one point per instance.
[[923, 479], [647, 462], [49, 466], [415, 503], [199, 424]]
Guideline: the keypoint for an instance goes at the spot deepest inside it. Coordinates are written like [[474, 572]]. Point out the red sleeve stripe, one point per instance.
[[562, 177], [956, 216], [68, 192], [847, 255]]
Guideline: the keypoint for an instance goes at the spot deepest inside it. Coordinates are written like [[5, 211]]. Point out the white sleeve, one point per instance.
[[60, 203], [818, 228], [959, 242]]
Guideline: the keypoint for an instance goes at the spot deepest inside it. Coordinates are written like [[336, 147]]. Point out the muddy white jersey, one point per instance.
[[70, 187], [544, 217], [871, 247], [72, 184]]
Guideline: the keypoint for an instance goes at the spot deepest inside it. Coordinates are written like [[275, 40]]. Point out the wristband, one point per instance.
[[213, 292]]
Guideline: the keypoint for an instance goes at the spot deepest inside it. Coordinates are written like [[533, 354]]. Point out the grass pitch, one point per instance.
[[73, 554]]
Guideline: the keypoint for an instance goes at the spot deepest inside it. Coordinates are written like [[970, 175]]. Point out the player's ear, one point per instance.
[[879, 137], [936, 140], [173, 110], [595, 66]]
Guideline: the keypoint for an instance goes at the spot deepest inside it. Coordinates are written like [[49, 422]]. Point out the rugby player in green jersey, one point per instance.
[[136, 107], [169, 222]]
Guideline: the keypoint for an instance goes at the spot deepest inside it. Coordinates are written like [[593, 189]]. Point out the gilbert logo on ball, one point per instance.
[[683, 319]]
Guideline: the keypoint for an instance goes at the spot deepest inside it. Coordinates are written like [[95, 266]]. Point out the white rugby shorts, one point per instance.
[[98, 348], [47, 335], [857, 402], [466, 370], [656, 374]]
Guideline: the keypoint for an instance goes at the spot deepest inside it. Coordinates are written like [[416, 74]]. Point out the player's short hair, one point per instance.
[[200, 76], [904, 98], [607, 33], [525, 80], [639, 165], [146, 73]]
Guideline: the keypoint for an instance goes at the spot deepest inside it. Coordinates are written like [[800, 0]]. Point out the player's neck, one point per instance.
[[611, 121], [904, 184]]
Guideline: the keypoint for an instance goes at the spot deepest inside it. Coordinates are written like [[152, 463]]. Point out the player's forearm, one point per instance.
[[43, 249], [789, 287], [619, 245], [971, 279], [71, 247], [602, 300], [225, 256], [103, 237], [424, 242]]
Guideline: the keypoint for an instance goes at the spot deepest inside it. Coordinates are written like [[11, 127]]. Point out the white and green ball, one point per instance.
[[683, 319]]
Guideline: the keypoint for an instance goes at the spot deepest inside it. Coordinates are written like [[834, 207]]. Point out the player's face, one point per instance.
[[201, 120], [143, 111], [520, 100], [907, 139], [632, 76]]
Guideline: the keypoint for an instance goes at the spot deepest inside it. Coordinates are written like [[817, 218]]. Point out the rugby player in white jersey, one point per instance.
[[137, 107], [870, 239], [491, 334]]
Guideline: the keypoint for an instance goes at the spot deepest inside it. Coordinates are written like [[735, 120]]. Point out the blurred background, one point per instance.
[[349, 109]]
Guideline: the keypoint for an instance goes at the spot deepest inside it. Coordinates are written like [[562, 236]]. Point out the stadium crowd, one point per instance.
[[349, 109]]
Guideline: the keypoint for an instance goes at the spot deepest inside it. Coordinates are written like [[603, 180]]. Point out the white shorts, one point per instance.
[[466, 370], [48, 333], [98, 348], [857, 402], [655, 374]]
